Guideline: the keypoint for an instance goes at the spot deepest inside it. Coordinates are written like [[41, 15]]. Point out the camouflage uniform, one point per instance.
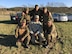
[[22, 34], [26, 16], [50, 33], [46, 17], [22, 17]]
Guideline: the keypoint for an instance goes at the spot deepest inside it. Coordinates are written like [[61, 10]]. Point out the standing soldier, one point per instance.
[[22, 17], [50, 32], [22, 34], [46, 15], [26, 16], [35, 11]]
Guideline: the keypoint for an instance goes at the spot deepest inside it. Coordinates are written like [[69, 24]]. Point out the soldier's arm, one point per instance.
[[53, 29], [16, 32], [30, 28], [22, 17], [27, 34], [50, 16]]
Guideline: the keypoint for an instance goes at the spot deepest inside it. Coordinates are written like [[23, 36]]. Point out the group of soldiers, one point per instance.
[[35, 26]]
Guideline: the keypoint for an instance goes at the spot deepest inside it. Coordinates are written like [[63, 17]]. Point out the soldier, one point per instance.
[[22, 17], [22, 34], [26, 16], [36, 30], [35, 11], [45, 16], [50, 32]]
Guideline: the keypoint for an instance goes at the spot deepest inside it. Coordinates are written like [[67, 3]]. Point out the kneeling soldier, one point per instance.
[[50, 32], [22, 34]]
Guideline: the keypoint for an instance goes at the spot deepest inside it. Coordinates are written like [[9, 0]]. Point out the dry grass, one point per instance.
[[62, 46], [6, 12]]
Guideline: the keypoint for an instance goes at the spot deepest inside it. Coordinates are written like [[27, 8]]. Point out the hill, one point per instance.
[[52, 9]]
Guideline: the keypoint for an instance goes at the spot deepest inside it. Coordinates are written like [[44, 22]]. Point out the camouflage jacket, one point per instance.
[[21, 32], [51, 30], [27, 17]]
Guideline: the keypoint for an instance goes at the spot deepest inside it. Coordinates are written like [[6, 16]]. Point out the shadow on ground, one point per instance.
[[8, 22], [7, 40]]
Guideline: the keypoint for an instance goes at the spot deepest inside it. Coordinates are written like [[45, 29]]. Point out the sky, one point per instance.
[[14, 3]]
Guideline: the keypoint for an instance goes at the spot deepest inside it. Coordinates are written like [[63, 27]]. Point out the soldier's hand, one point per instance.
[[16, 36], [22, 39], [35, 34]]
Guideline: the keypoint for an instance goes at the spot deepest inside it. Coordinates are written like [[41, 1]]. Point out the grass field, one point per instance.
[[62, 46]]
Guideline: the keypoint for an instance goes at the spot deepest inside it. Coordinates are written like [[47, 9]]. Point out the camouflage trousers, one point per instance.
[[50, 38], [26, 41]]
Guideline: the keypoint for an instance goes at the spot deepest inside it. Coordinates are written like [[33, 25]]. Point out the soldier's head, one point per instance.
[[45, 10], [23, 22], [49, 23], [27, 10], [36, 18], [36, 7]]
